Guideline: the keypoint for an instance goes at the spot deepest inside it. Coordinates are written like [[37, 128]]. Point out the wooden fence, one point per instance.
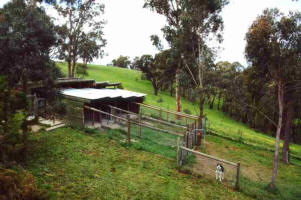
[[130, 121], [160, 111]]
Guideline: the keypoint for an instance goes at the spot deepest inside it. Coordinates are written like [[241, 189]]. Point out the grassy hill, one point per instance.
[[220, 122]]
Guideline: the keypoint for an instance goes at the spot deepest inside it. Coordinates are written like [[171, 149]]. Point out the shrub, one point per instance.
[[19, 185]]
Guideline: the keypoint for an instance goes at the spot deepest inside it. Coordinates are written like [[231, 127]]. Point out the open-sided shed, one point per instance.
[[101, 99]]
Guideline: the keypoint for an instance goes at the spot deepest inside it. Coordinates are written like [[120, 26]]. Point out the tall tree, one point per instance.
[[188, 24], [81, 35], [273, 44]]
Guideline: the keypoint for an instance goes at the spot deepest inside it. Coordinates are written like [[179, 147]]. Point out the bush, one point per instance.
[[12, 142]]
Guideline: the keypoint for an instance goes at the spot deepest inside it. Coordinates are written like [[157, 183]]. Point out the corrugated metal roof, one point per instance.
[[94, 94]]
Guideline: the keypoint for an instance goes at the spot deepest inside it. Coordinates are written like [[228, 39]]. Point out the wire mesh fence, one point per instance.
[[226, 172], [131, 128]]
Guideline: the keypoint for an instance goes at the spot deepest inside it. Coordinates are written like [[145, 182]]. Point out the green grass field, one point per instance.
[[220, 122]]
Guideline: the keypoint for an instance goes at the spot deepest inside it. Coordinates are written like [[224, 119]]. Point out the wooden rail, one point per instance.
[[149, 118], [209, 156], [133, 121], [169, 111]]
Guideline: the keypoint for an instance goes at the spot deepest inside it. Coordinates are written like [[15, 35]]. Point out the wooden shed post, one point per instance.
[[167, 113], [129, 129], [83, 113], [237, 177], [140, 124], [93, 118]]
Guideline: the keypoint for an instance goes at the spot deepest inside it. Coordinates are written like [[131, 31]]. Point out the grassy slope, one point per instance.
[[131, 80], [76, 165]]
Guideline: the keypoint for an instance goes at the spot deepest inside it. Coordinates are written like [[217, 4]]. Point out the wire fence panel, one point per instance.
[[226, 172], [130, 128]]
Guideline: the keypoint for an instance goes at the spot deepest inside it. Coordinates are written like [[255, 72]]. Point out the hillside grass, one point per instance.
[[73, 164], [219, 121]]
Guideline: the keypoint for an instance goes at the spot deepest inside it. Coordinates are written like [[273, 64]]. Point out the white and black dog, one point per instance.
[[219, 172]]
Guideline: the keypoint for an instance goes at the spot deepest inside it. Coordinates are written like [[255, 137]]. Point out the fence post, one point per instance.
[[237, 177], [129, 129], [93, 118], [167, 114], [140, 124], [178, 153]]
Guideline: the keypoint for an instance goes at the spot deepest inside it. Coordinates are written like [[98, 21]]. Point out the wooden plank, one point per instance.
[[129, 129], [209, 156], [55, 127]]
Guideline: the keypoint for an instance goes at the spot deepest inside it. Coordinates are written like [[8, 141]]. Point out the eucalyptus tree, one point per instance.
[[274, 46], [189, 23], [122, 61], [81, 33]]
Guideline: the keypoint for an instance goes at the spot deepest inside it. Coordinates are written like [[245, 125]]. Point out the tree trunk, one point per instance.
[[69, 59], [277, 145], [212, 103], [219, 101], [73, 68], [178, 92], [69, 68], [155, 89], [24, 124], [288, 131]]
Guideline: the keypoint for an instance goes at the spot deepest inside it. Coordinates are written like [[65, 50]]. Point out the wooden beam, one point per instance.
[[237, 177], [209, 156]]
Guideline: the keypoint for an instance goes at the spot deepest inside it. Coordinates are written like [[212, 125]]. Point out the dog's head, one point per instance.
[[220, 167]]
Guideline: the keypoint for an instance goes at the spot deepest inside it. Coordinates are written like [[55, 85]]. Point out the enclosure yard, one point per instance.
[[78, 165], [100, 165]]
